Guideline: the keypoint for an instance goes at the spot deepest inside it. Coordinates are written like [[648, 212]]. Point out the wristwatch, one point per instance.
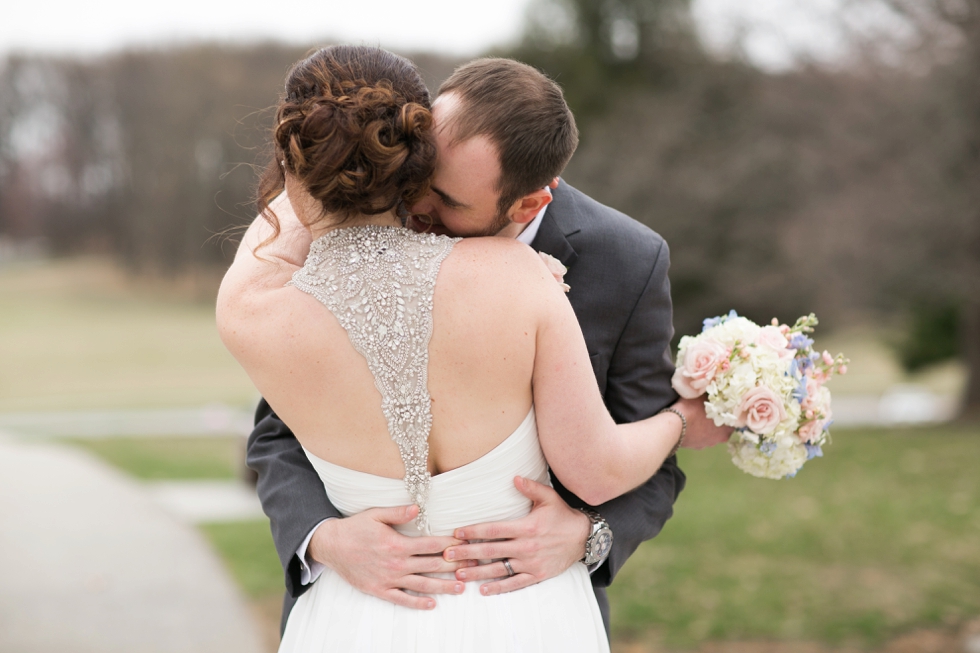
[[600, 539]]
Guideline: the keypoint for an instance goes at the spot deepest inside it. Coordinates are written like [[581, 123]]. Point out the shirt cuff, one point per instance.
[[309, 570]]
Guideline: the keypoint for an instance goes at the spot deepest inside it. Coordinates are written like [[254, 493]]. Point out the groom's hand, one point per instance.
[[378, 560], [539, 546]]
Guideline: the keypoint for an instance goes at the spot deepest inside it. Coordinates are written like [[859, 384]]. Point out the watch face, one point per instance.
[[603, 542], [598, 545]]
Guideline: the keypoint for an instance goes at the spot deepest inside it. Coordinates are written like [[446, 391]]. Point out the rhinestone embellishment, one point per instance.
[[379, 282]]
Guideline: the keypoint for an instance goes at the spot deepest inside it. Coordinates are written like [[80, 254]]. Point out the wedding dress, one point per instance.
[[378, 282]]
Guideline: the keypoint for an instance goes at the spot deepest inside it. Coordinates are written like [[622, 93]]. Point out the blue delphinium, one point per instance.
[[804, 364], [813, 451], [799, 392], [712, 322], [800, 341], [768, 447]]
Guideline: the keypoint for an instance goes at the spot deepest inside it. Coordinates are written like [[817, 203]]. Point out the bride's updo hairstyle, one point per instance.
[[354, 128]]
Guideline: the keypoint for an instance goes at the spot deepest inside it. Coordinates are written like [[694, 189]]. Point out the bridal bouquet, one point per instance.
[[768, 383]]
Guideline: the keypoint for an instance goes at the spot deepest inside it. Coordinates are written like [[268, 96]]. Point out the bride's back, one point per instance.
[[481, 357]]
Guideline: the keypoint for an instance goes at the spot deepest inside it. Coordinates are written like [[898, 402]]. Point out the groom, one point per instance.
[[503, 133]]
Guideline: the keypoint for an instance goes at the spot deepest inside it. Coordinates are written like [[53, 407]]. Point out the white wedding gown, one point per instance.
[[378, 282]]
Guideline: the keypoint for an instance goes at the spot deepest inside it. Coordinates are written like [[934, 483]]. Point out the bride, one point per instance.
[[416, 368]]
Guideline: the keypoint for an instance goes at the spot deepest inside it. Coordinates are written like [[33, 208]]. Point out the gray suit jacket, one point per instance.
[[617, 270]]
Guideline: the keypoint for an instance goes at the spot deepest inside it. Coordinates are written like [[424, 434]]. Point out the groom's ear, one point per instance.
[[525, 209]]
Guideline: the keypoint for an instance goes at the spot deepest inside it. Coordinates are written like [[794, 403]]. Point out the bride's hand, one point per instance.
[[541, 545], [701, 431], [378, 560]]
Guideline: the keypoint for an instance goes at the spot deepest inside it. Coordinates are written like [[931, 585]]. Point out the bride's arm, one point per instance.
[[261, 266], [592, 456], [264, 264]]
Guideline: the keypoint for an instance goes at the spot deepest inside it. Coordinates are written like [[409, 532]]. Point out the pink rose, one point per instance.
[[701, 361], [810, 431], [773, 338], [556, 268], [761, 410], [810, 400]]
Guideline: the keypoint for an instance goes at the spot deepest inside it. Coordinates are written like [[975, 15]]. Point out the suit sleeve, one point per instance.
[[638, 386], [290, 490]]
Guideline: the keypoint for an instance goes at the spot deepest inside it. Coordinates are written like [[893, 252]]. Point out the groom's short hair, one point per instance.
[[524, 115]]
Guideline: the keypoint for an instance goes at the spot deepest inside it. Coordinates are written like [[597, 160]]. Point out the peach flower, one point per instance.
[[556, 268], [701, 361], [810, 431], [761, 410]]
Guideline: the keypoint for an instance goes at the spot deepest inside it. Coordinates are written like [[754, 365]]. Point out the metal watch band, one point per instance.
[[599, 542]]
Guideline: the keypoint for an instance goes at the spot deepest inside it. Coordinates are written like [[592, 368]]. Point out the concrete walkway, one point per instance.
[[216, 419], [90, 564], [202, 502]]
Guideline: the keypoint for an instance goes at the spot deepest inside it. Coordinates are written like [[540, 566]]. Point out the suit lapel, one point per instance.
[[552, 236]]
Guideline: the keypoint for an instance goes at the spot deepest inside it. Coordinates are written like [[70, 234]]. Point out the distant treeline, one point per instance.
[[852, 192], [146, 155]]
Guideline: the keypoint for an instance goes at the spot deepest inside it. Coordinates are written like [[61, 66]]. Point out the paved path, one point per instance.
[[90, 564], [202, 502], [216, 419]]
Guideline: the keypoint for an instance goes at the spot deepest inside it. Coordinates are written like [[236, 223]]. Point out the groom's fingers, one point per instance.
[[536, 492], [427, 585], [488, 550], [489, 571], [430, 565], [420, 546], [499, 530], [516, 582], [396, 515], [398, 597]]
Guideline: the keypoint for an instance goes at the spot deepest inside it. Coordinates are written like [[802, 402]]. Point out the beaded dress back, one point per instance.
[[379, 282]]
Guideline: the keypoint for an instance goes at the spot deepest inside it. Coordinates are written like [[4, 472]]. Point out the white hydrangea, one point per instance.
[[785, 460], [735, 329]]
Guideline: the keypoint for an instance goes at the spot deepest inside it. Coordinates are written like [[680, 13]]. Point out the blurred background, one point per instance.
[[798, 156]]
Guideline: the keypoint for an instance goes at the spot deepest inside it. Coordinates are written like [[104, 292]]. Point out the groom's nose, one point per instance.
[[425, 206]]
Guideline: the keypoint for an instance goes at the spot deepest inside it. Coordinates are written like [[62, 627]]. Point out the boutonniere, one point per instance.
[[556, 269]]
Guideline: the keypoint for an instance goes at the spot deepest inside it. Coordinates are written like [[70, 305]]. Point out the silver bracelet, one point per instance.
[[680, 441]]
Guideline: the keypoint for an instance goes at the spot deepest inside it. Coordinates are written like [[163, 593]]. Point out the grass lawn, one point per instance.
[[878, 538], [176, 458], [250, 555], [78, 334]]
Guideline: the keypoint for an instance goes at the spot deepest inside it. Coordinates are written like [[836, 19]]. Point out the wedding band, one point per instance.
[[510, 570]]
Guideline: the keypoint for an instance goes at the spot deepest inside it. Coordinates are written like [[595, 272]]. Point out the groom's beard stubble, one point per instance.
[[427, 224]]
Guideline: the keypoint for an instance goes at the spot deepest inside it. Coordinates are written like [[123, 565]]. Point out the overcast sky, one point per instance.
[[773, 29]]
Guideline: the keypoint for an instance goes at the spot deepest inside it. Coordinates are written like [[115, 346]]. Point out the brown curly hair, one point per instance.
[[354, 128]]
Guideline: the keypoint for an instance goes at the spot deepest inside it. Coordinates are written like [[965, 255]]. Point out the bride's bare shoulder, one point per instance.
[[494, 261]]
